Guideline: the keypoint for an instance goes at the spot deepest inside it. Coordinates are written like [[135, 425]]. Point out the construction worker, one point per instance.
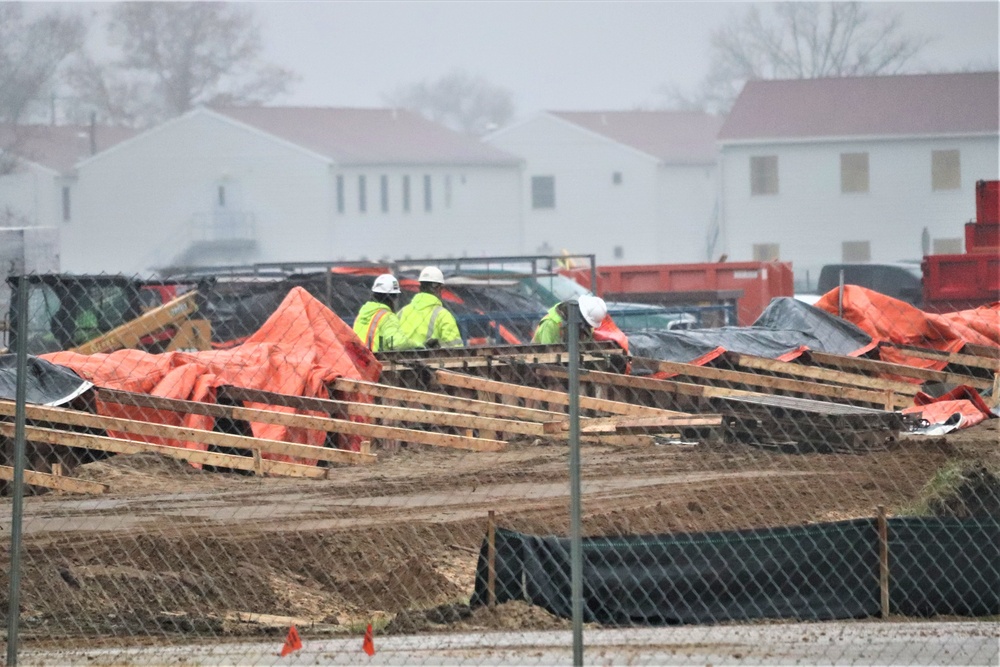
[[376, 324], [552, 328], [426, 319]]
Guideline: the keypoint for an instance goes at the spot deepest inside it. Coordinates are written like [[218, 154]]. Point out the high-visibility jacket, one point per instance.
[[378, 328], [552, 329], [425, 317]]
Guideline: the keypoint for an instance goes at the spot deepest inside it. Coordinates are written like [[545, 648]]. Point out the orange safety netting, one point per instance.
[[301, 348], [887, 319]]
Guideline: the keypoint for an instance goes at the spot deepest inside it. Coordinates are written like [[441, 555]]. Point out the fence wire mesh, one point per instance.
[[220, 472]]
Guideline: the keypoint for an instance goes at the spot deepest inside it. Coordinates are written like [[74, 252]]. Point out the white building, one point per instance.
[[855, 169], [36, 169], [632, 187], [271, 184]]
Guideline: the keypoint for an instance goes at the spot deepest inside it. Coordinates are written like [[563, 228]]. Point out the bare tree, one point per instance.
[[31, 53], [460, 101], [800, 40], [173, 56]]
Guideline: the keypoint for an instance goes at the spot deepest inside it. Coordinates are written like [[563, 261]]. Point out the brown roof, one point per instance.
[[369, 136], [872, 106], [59, 147], [670, 136]]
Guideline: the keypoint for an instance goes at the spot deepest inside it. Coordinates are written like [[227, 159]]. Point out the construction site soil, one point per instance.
[[174, 552]]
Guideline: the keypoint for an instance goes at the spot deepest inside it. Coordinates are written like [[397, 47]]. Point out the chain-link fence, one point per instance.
[[218, 471]]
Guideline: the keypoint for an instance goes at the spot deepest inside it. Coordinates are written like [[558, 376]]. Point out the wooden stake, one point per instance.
[[883, 560], [491, 559], [258, 463], [996, 390], [890, 400]]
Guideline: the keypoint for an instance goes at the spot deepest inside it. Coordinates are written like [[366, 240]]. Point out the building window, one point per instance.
[[616, 178], [764, 175], [856, 251], [340, 194], [766, 252], [853, 172], [543, 192], [406, 193], [384, 192], [427, 192], [949, 246], [946, 170], [222, 196], [66, 211], [447, 191], [362, 194], [619, 252]]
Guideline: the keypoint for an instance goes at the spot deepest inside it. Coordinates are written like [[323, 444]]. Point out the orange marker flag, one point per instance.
[[369, 645], [292, 642]]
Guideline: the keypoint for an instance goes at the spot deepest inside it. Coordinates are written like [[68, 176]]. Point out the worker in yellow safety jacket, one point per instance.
[[377, 324], [552, 328], [426, 319]]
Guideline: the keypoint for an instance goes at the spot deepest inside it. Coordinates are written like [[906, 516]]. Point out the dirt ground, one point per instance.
[[173, 552]]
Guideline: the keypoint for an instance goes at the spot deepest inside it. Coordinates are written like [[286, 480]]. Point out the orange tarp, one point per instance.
[[298, 350], [887, 319]]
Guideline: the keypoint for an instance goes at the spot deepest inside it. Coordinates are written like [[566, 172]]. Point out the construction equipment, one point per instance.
[[190, 334]]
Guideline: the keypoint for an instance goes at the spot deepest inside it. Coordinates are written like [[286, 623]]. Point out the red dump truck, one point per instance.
[[957, 282], [751, 285]]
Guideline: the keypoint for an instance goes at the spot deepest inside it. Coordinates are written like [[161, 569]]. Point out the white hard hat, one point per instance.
[[386, 284], [593, 309], [431, 274]]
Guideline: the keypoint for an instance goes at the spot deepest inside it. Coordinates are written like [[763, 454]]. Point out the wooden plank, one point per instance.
[[118, 446], [982, 351], [460, 404], [612, 439], [967, 360], [450, 379], [435, 417], [57, 482], [185, 434], [484, 362], [840, 361], [651, 423], [327, 424], [820, 373], [833, 392]]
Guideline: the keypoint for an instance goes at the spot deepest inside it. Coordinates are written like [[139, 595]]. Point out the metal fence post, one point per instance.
[[17, 486], [576, 548]]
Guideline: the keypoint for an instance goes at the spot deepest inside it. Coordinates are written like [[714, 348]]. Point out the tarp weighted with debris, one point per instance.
[[782, 331], [814, 572]]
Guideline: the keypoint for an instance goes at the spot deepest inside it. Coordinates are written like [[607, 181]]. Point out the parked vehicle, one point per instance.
[[900, 280]]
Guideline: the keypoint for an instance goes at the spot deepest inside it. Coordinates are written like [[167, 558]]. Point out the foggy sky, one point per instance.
[[552, 55]]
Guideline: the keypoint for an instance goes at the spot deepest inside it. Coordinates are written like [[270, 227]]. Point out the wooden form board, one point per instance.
[[457, 403], [955, 358], [435, 417], [57, 482], [981, 351], [485, 362], [119, 446], [450, 379], [858, 363], [833, 392], [651, 424], [184, 434], [820, 373], [340, 426]]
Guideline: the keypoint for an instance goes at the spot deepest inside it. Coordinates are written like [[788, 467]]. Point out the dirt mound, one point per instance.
[[971, 491], [516, 615]]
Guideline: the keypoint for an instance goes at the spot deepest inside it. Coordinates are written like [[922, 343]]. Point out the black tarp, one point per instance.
[[47, 384], [814, 572], [785, 325]]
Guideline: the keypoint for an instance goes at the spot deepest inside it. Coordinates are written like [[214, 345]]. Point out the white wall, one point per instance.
[[32, 195], [654, 214], [481, 217], [137, 202], [810, 217]]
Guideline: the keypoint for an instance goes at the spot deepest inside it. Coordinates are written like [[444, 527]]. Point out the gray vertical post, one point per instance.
[[576, 548], [17, 508], [840, 295]]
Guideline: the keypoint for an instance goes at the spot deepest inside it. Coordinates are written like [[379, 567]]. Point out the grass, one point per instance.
[[944, 484]]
